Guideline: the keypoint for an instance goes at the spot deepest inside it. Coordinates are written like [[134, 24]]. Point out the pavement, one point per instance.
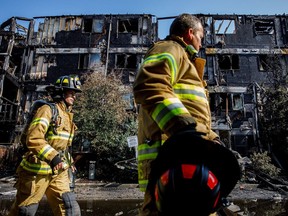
[[84, 189], [98, 190]]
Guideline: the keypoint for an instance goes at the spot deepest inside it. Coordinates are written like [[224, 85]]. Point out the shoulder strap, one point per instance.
[[55, 114], [54, 110]]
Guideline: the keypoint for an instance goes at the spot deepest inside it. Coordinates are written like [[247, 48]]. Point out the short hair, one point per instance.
[[183, 22]]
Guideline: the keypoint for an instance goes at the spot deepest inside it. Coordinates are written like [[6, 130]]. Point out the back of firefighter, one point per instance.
[[170, 90], [44, 167]]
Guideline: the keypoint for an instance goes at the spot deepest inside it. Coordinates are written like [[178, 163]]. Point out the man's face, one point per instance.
[[69, 97], [195, 37], [196, 42]]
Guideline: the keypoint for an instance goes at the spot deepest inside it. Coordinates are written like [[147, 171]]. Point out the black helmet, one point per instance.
[[215, 173], [71, 82]]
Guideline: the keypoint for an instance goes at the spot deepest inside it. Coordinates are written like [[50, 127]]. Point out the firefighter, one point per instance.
[[171, 94], [44, 167]]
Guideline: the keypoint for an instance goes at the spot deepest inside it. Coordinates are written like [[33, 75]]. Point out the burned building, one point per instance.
[[239, 50], [242, 52], [34, 52]]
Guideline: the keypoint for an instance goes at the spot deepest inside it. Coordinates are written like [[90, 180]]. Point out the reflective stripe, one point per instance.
[[190, 92], [44, 152], [146, 152], [36, 168], [166, 110], [60, 136], [39, 168], [164, 56], [42, 121], [143, 185]]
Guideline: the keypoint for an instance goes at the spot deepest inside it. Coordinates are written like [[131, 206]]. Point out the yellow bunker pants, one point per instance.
[[32, 187]]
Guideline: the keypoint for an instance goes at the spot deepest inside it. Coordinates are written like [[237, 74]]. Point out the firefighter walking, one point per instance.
[[172, 95], [44, 167]]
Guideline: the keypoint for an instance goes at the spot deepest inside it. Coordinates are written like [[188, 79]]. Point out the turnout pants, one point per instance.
[[32, 187]]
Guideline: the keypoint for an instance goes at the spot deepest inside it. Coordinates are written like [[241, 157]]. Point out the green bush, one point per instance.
[[104, 123], [262, 162]]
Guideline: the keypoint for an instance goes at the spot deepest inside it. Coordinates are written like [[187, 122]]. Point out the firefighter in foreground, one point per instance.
[[44, 167], [171, 92]]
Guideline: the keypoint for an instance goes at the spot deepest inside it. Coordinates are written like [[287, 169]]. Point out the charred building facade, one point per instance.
[[239, 50]]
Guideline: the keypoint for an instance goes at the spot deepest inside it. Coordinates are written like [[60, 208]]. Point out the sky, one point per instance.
[[159, 8]]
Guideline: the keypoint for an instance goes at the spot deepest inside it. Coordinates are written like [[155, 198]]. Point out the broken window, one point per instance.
[[98, 25], [237, 101], [224, 26], [68, 24], [126, 61], [269, 63], [95, 61], [263, 62], [128, 26], [83, 61], [88, 25], [228, 62], [144, 26], [264, 26]]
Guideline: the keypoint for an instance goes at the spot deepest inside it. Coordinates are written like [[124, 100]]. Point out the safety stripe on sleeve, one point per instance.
[[42, 121], [166, 110], [164, 56], [146, 152], [36, 168], [190, 92], [60, 136], [44, 152]]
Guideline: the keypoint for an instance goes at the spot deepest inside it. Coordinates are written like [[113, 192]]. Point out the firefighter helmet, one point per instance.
[[187, 185], [215, 172], [71, 82]]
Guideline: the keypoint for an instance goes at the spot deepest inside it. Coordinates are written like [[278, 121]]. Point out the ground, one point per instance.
[[94, 190], [89, 189]]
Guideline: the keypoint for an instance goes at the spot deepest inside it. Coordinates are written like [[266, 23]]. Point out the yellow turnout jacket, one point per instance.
[[43, 144], [171, 92]]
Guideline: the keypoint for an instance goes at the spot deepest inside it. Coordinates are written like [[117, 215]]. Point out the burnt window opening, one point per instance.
[[228, 62], [98, 25], [128, 26], [265, 62], [68, 24], [219, 103], [237, 101], [88, 23], [264, 26], [269, 63], [224, 26], [83, 61], [126, 61]]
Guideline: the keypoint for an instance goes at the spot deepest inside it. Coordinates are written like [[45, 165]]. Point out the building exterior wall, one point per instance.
[[242, 52]]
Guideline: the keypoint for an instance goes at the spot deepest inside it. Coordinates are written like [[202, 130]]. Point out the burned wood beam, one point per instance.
[[213, 51], [52, 50]]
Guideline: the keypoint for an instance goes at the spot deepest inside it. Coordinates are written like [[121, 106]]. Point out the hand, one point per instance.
[[73, 168], [59, 166]]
